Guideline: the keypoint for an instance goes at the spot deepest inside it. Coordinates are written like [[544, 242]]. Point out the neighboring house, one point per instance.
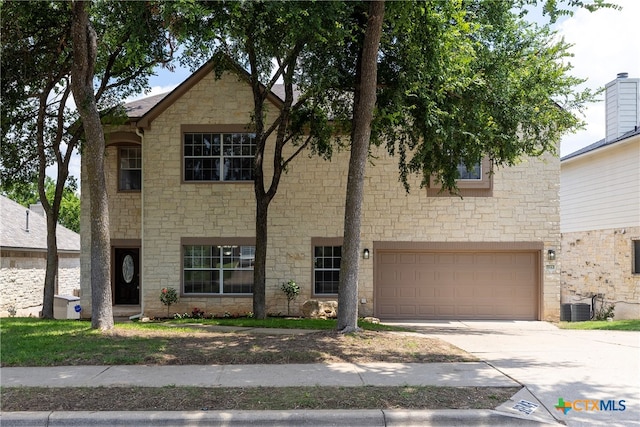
[[600, 209], [182, 213], [23, 242]]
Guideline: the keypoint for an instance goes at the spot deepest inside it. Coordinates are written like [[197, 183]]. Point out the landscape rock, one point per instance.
[[314, 309]]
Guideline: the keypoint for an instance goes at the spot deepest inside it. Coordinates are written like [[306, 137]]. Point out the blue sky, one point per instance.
[[605, 43]]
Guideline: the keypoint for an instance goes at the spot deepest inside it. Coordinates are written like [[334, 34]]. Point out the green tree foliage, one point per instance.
[[27, 194], [493, 86]]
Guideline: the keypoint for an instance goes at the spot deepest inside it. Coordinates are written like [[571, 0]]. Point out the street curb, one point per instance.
[[351, 418]]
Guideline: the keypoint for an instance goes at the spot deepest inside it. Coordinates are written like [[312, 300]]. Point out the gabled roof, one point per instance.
[[144, 111], [13, 233], [140, 107], [602, 143]]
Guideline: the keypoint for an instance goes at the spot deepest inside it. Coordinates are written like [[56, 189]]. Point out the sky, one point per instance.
[[605, 43]]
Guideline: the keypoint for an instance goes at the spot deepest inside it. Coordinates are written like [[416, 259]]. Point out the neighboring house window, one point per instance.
[[327, 255], [130, 173], [476, 181], [218, 156], [218, 269], [636, 257]]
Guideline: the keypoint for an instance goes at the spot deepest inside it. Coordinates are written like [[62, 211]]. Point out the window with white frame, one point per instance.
[[326, 269], [218, 269], [130, 169], [218, 156]]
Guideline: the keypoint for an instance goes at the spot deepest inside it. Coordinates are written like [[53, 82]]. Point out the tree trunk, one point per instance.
[[260, 264], [82, 73], [51, 271], [364, 103]]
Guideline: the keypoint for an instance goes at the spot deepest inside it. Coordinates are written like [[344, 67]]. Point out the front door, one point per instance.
[[127, 276]]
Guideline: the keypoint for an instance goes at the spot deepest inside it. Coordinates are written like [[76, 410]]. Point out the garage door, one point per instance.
[[456, 285]]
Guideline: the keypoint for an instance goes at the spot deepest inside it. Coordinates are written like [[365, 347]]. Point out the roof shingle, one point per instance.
[[14, 235]]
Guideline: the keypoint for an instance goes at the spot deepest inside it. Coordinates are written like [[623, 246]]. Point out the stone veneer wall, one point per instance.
[[310, 203], [22, 280], [600, 262]]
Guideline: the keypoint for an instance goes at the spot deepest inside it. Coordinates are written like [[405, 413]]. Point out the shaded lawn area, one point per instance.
[[36, 342]]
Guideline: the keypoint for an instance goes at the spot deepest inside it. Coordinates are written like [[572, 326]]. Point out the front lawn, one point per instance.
[[38, 342], [616, 325], [284, 323]]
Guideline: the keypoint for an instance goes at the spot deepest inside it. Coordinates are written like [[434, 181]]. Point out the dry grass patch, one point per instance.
[[205, 347], [254, 398]]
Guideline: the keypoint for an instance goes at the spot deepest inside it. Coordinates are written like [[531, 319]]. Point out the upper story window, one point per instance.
[[476, 181], [130, 169], [210, 156], [466, 174]]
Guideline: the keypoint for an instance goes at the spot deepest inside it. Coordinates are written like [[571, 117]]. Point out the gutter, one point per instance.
[[140, 133], [620, 143]]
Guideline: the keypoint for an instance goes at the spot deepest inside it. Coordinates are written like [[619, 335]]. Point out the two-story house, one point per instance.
[[182, 214], [600, 209]]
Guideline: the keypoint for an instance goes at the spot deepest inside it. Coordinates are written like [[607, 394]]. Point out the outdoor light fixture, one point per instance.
[[551, 255], [365, 254]]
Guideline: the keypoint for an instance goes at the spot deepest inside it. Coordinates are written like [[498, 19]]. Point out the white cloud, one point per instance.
[[606, 42]]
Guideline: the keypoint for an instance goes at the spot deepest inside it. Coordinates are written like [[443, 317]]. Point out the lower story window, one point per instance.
[[218, 269], [636, 257], [326, 269]]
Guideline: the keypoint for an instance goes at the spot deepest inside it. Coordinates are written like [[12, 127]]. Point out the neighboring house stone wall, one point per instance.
[[22, 280], [600, 262]]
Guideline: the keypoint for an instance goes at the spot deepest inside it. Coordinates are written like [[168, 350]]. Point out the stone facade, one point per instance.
[[601, 262], [22, 280], [309, 204]]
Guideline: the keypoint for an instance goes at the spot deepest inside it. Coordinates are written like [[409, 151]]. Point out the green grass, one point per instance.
[[37, 342], [284, 323], [616, 325]]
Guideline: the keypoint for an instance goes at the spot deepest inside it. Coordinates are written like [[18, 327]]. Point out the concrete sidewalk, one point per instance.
[[475, 374]]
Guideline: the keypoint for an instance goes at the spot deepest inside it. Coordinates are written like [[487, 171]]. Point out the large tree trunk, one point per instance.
[[364, 103], [84, 55], [260, 265]]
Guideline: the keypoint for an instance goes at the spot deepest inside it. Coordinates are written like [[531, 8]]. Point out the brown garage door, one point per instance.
[[456, 285]]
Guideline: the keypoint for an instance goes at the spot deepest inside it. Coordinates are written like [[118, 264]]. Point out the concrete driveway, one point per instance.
[[554, 363]]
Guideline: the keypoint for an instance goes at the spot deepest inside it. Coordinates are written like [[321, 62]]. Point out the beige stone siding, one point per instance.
[[600, 262], [310, 203], [22, 280]]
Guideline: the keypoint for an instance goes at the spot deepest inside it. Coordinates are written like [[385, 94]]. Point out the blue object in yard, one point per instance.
[[77, 308]]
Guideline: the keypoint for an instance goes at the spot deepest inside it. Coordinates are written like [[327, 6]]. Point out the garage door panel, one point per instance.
[[465, 285]]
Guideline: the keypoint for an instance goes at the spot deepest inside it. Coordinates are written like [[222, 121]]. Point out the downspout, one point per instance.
[[140, 133]]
